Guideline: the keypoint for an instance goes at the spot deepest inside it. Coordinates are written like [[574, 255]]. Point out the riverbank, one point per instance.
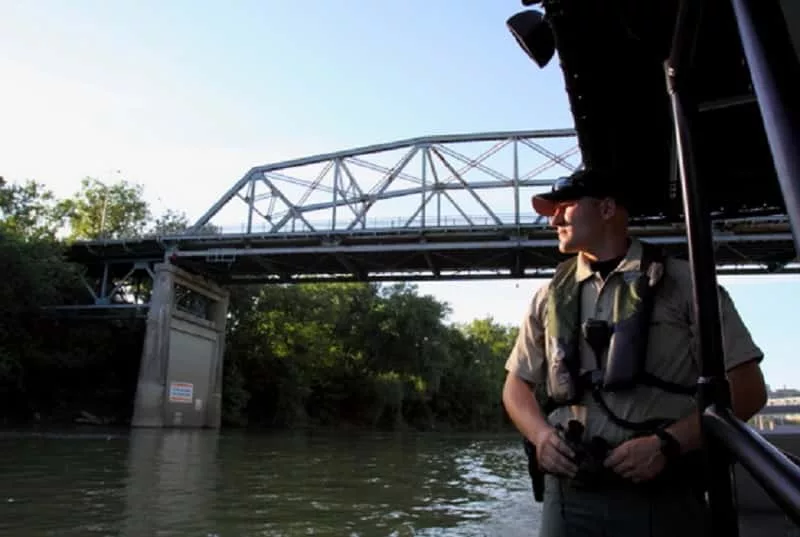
[[85, 421]]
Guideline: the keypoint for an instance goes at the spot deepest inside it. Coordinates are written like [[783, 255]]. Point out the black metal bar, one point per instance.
[[791, 456], [684, 37], [773, 470], [712, 384], [775, 73]]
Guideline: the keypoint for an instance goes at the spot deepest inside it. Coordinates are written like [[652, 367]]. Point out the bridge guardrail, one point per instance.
[[395, 223]]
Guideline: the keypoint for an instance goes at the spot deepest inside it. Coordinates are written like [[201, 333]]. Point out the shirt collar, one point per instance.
[[631, 262]]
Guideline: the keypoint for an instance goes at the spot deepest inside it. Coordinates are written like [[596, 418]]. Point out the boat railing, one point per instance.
[[776, 471]]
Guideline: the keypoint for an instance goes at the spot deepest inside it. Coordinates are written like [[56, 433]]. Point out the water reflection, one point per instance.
[[171, 481], [201, 483]]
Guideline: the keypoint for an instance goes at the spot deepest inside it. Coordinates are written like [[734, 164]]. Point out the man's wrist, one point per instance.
[[540, 432], [668, 444]]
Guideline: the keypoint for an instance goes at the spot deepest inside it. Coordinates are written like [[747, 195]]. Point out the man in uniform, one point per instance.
[[601, 378]]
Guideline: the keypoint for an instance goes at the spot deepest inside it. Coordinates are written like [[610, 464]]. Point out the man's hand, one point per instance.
[[553, 454], [638, 459]]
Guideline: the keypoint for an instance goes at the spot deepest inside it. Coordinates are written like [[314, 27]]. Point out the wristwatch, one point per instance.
[[670, 447]]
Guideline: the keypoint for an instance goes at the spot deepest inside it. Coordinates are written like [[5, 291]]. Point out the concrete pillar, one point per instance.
[[180, 376], [148, 408], [215, 398]]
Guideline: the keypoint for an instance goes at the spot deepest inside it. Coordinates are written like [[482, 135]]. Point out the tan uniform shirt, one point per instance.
[[671, 353]]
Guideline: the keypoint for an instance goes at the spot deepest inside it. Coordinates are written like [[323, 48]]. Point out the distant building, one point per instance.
[[780, 410], [783, 401], [783, 392]]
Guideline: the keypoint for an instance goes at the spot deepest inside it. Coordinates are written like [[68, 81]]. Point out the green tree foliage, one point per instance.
[[360, 354], [29, 210], [170, 222], [174, 222], [50, 367], [363, 355], [100, 210]]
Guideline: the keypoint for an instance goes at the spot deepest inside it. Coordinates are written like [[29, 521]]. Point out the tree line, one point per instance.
[[357, 355]]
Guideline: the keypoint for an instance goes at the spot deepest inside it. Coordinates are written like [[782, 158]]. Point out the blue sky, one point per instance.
[[184, 97]]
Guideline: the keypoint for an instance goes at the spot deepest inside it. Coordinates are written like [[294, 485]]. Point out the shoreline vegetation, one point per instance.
[[327, 356]]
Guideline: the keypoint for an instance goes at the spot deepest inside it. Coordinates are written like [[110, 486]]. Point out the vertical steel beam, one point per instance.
[[251, 201], [103, 298], [515, 179], [337, 184], [423, 200]]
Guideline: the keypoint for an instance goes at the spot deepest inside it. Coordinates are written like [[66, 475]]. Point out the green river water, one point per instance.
[[172, 483]]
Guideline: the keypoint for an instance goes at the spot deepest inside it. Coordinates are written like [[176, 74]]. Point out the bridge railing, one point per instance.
[[393, 223], [445, 222]]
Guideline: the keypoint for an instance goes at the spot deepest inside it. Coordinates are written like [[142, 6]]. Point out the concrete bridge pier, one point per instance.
[[180, 376]]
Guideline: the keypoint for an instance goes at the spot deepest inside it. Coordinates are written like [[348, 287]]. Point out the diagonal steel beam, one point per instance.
[[315, 185], [549, 164], [350, 200], [253, 209], [458, 208], [419, 190], [477, 163], [469, 189], [549, 154], [352, 178], [380, 189], [220, 203], [293, 212], [298, 181], [382, 169]]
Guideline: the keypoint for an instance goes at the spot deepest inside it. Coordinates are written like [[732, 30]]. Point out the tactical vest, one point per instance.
[[625, 339]]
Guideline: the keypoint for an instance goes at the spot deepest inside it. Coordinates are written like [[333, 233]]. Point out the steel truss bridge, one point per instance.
[[432, 208]]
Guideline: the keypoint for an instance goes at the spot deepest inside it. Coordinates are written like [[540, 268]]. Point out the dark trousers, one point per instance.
[[570, 510]]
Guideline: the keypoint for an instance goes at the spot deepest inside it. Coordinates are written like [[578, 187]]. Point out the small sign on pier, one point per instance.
[[181, 392]]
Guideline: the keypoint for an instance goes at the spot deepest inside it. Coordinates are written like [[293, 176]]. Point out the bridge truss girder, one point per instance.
[[115, 288], [432, 180]]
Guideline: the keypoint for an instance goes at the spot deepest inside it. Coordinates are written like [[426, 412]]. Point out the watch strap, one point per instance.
[[670, 446]]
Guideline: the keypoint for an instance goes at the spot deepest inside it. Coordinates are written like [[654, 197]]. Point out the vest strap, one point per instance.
[[645, 426], [649, 379]]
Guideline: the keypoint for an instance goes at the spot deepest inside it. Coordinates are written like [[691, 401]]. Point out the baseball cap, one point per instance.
[[581, 184]]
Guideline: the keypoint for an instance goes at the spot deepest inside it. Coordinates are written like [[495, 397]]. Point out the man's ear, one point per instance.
[[608, 208]]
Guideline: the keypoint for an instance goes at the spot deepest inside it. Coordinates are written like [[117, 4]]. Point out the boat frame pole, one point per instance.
[[775, 73], [713, 384]]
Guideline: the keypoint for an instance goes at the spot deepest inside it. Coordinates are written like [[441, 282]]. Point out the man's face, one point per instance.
[[578, 224]]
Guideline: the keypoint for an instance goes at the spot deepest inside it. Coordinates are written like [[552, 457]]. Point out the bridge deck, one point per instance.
[[459, 252]]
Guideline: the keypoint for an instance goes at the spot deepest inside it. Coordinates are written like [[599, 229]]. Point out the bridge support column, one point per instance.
[[180, 376]]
